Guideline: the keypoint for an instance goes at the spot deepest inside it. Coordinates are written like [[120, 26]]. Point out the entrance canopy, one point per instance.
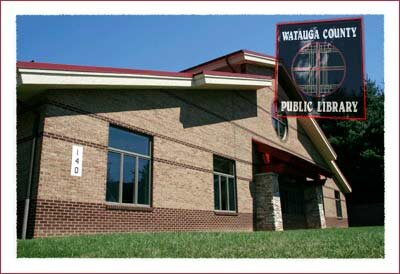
[[282, 162]]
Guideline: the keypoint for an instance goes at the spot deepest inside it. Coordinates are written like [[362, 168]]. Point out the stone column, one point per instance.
[[267, 202], [314, 208]]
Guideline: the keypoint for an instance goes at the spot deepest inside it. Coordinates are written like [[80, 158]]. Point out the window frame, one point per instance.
[[338, 204], [137, 157], [227, 176]]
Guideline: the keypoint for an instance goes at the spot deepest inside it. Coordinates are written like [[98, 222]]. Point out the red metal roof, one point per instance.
[[64, 67], [34, 65]]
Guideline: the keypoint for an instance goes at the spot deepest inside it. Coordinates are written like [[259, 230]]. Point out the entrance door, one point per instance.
[[292, 203]]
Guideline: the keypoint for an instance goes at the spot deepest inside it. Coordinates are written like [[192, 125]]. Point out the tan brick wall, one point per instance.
[[188, 127], [244, 196], [56, 182], [330, 205], [71, 124], [219, 121], [176, 187], [180, 153]]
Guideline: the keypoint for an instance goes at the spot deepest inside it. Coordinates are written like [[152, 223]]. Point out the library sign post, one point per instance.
[[324, 60]]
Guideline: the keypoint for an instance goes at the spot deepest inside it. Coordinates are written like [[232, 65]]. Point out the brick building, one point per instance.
[[162, 151]]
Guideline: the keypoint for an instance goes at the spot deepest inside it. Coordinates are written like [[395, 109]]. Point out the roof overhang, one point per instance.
[[216, 79], [235, 58], [58, 78], [260, 59], [339, 177], [39, 77], [327, 152], [286, 162]]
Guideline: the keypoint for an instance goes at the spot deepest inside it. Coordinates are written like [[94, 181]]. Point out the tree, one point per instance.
[[360, 148]]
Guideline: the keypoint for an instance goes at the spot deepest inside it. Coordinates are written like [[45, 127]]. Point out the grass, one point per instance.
[[362, 242]]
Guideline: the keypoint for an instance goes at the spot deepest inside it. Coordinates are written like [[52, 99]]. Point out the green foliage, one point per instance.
[[363, 242], [360, 147]]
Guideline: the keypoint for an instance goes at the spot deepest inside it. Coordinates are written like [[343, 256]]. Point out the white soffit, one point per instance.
[[58, 78], [318, 137], [338, 175], [218, 80], [259, 59]]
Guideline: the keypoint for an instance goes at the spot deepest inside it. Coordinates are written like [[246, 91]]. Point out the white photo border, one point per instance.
[[9, 262]]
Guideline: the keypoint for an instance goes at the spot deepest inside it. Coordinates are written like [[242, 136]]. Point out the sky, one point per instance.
[[166, 42]]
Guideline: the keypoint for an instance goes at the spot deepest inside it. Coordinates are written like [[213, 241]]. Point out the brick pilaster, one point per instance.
[[314, 209]]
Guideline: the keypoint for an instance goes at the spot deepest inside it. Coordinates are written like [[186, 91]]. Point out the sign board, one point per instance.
[[76, 160], [324, 62]]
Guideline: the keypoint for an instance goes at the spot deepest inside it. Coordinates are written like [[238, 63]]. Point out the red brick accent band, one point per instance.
[[72, 140], [55, 218], [335, 222]]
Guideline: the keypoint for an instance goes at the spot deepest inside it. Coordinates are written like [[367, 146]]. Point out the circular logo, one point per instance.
[[318, 69]]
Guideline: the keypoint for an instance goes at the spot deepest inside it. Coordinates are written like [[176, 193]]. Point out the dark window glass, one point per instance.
[[113, 172], [282, 129], [292, 202], [129, 141], [129, 179], [224, 184], [216, 192], [338, 205], [144, 181], [128, 175], [223, 165], [275, 123], [224, 194], [280, 124], [231, 188]]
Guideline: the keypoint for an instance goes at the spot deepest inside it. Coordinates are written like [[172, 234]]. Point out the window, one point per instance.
[[128, 167], [280, 123], [224, 184], [338, 205]]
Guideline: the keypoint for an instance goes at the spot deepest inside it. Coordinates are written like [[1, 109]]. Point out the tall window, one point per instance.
[[128, 167], [280, 123], [224, 184], [338, 205]]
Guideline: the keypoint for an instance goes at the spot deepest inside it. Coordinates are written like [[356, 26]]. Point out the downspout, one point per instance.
[[229, 64], [31, 170]]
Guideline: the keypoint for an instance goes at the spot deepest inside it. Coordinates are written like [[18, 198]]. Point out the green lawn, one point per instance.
[[363, 242]]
